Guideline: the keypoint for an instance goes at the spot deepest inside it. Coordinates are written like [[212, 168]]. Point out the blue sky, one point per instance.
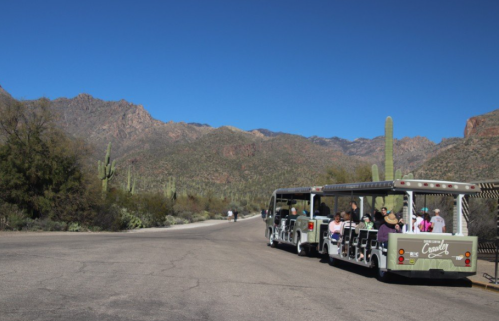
[[325, 68]]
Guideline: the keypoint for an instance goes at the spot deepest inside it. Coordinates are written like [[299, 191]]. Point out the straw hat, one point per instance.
[[391, 219]]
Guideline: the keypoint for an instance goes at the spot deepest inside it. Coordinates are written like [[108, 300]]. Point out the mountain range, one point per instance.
[[229, 160]]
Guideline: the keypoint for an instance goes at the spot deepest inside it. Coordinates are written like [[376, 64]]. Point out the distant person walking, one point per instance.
[[437, 222], [229, 215], [235, 215]]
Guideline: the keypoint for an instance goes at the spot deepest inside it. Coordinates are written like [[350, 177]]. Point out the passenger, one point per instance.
[[384, 211], [390, 226], [404, 229], [293, 215], [354, 212], [324, 209], [425, 225], [335, 227], [366, 224], [378, 220], [343, 215], [437, 222], [419, 220]]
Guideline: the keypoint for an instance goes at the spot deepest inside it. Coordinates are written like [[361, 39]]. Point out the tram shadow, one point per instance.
[[398, 279]]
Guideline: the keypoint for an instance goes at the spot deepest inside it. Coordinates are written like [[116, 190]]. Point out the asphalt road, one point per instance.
[[219, 272]]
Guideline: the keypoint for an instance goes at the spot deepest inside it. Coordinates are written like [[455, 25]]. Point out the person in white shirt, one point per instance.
[[229, 215], [419, 220], [437, 222]]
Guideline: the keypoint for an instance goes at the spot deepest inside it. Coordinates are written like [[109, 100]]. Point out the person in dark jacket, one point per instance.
[[378, 220], [390, 226]]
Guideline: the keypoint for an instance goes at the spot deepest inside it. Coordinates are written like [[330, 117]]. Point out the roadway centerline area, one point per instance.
[[224, 271]]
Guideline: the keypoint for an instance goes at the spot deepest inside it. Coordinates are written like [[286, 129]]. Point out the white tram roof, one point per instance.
[[400, 186], [300, 190]]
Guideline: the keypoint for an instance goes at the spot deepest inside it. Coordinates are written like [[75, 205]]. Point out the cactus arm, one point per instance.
[[375, 173]]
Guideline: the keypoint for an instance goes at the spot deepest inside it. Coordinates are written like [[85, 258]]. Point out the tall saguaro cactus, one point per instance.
[[391, 202], [130, 186], [106, 170], [389, 149], [170, 190]]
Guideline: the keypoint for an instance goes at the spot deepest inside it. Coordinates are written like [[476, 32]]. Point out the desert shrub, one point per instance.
[[11, 217], [107, 217], [130, 221], [74, 227], [46, 225]]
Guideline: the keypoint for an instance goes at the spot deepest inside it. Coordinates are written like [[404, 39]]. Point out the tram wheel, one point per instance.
[[382, 276], [272, 242], [299, 248]]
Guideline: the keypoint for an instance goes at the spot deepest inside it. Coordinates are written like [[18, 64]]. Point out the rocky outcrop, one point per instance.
[[483, 126]]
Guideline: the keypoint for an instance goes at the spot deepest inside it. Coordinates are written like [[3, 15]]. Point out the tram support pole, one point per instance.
[[497, 239]]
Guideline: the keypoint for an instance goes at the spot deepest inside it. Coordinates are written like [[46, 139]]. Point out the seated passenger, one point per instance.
[[293, 215], [390, 226], [347, 223], [335, 227], [365, 224]]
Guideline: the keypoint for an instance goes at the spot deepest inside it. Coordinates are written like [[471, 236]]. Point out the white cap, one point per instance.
[[293, 209]]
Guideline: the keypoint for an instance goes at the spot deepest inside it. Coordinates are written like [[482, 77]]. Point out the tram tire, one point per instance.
[[382, 276], [272, 242], [332, 261], [300, 249]]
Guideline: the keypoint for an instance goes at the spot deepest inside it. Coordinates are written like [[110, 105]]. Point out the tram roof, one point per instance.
[[488, 189], [401, 186], [300, 190]]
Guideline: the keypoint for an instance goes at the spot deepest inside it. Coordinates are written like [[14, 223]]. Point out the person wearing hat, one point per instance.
[[437, 222], [390, 226], [365, 224]]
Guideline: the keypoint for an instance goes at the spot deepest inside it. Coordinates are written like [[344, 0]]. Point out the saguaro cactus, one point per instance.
[[391, 202], [130, 187], [106, 170], [170, 190]]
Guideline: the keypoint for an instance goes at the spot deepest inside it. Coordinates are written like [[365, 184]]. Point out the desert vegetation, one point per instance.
[[46, 183]]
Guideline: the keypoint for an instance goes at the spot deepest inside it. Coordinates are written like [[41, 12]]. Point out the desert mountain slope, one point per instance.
[[474, 158]]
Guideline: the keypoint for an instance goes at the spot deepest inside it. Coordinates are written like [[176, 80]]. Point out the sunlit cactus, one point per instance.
[[106, 170]]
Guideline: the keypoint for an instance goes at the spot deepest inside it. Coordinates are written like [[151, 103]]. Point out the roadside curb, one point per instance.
[[486, 286]]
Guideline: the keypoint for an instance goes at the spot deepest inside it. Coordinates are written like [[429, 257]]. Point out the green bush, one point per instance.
[[74, 227], [130, 221]]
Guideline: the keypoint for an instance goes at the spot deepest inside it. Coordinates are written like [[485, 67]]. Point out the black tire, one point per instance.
[[272, 242], [382, 276], [332, 261], [299, 248]]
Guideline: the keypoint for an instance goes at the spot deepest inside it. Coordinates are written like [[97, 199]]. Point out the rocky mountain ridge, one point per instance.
[[259, 158]]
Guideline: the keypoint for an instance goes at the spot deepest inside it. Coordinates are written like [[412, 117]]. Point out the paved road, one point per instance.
[[218, 272]]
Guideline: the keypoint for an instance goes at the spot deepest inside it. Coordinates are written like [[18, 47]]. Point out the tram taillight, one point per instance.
[[401, 260], [310, 226]]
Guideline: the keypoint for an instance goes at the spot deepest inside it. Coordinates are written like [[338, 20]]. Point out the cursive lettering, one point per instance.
[[435, 251]]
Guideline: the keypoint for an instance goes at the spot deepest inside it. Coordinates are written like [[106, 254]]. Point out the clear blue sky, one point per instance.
[[326, 68]]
